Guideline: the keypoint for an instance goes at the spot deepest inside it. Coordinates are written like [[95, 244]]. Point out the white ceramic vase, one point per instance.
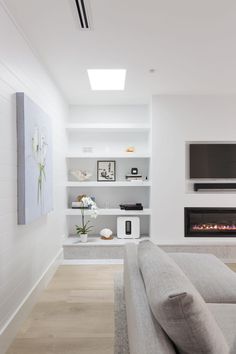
[[84, 237]]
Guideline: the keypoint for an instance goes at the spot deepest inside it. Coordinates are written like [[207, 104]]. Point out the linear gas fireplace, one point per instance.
[[210, 222]]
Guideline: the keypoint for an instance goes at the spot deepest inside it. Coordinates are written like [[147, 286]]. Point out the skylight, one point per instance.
[[107, 79]]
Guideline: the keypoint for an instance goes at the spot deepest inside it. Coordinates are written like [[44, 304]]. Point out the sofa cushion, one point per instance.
[[177, 305], [225, 316], [145, 334], [212, 278], [233, 348]]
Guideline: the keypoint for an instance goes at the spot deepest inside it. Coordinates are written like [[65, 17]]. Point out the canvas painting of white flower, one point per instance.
[[34, 145]]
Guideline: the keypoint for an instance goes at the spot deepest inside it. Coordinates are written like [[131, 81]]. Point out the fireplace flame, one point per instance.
[[213, 227]]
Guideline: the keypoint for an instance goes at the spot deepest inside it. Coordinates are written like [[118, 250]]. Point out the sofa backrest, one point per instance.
[[145, 334]]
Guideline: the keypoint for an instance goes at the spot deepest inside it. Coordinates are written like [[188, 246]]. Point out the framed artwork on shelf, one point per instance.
[[106, 171]]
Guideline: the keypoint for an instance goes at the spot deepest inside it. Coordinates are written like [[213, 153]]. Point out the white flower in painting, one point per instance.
[[39, 149], [35, 142], [43, 148]]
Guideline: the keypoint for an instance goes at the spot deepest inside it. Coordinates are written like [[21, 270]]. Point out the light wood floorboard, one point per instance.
[[232, 266], [74, 314]]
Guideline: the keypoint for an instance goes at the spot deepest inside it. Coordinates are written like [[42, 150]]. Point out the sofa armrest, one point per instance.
[[145, 334]]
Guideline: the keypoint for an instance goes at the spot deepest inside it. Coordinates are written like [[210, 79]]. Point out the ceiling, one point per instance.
[[190, 44]]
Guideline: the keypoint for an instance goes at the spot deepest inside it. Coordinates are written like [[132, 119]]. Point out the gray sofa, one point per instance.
[[215, 282]]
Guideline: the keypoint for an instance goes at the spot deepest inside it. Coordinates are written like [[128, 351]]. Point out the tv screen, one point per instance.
[[212, 160]]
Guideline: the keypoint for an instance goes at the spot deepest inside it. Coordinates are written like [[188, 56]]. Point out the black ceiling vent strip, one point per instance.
[[82, 14]]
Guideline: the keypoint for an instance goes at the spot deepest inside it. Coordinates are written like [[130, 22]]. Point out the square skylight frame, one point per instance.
[[107, 79]]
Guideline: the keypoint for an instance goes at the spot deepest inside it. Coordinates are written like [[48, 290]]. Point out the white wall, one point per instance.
[[25, 251], [176, 121], [109, 114]]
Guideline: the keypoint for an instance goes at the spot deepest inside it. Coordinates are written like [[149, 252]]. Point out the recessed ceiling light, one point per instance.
[[107, 79]]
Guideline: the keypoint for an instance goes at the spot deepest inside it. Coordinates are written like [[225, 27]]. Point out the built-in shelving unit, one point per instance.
[[106, 135], [96, 248]]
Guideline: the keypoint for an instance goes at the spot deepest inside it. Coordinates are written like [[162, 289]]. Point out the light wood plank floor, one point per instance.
[[232, 266], [73, 316]]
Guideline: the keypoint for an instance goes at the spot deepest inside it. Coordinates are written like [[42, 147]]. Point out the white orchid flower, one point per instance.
[[87, 202], [39, 152], [43, 147]]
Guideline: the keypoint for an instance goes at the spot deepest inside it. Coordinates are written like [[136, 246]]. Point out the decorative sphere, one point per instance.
[[106, 233]]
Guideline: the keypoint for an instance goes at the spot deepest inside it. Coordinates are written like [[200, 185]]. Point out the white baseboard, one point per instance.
[[9, 331]]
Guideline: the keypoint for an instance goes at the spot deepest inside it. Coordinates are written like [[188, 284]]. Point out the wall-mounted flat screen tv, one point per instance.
[[212, 160]]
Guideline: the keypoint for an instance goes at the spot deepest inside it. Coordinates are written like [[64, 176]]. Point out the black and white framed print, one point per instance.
[[106, 171]]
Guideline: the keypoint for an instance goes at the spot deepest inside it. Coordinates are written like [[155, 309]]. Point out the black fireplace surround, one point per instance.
[[210, 222]]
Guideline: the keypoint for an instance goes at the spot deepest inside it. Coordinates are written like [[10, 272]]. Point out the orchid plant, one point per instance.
[[39, 149], [87, 203]]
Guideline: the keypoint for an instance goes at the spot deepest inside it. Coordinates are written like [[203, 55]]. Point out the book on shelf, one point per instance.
[[78, 205], [134, 178]]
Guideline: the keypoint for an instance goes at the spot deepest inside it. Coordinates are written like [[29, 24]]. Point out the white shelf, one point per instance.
[[77, 212], [102, 133], [109, 184], [126, 155], [73, 241], [109, 128]]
